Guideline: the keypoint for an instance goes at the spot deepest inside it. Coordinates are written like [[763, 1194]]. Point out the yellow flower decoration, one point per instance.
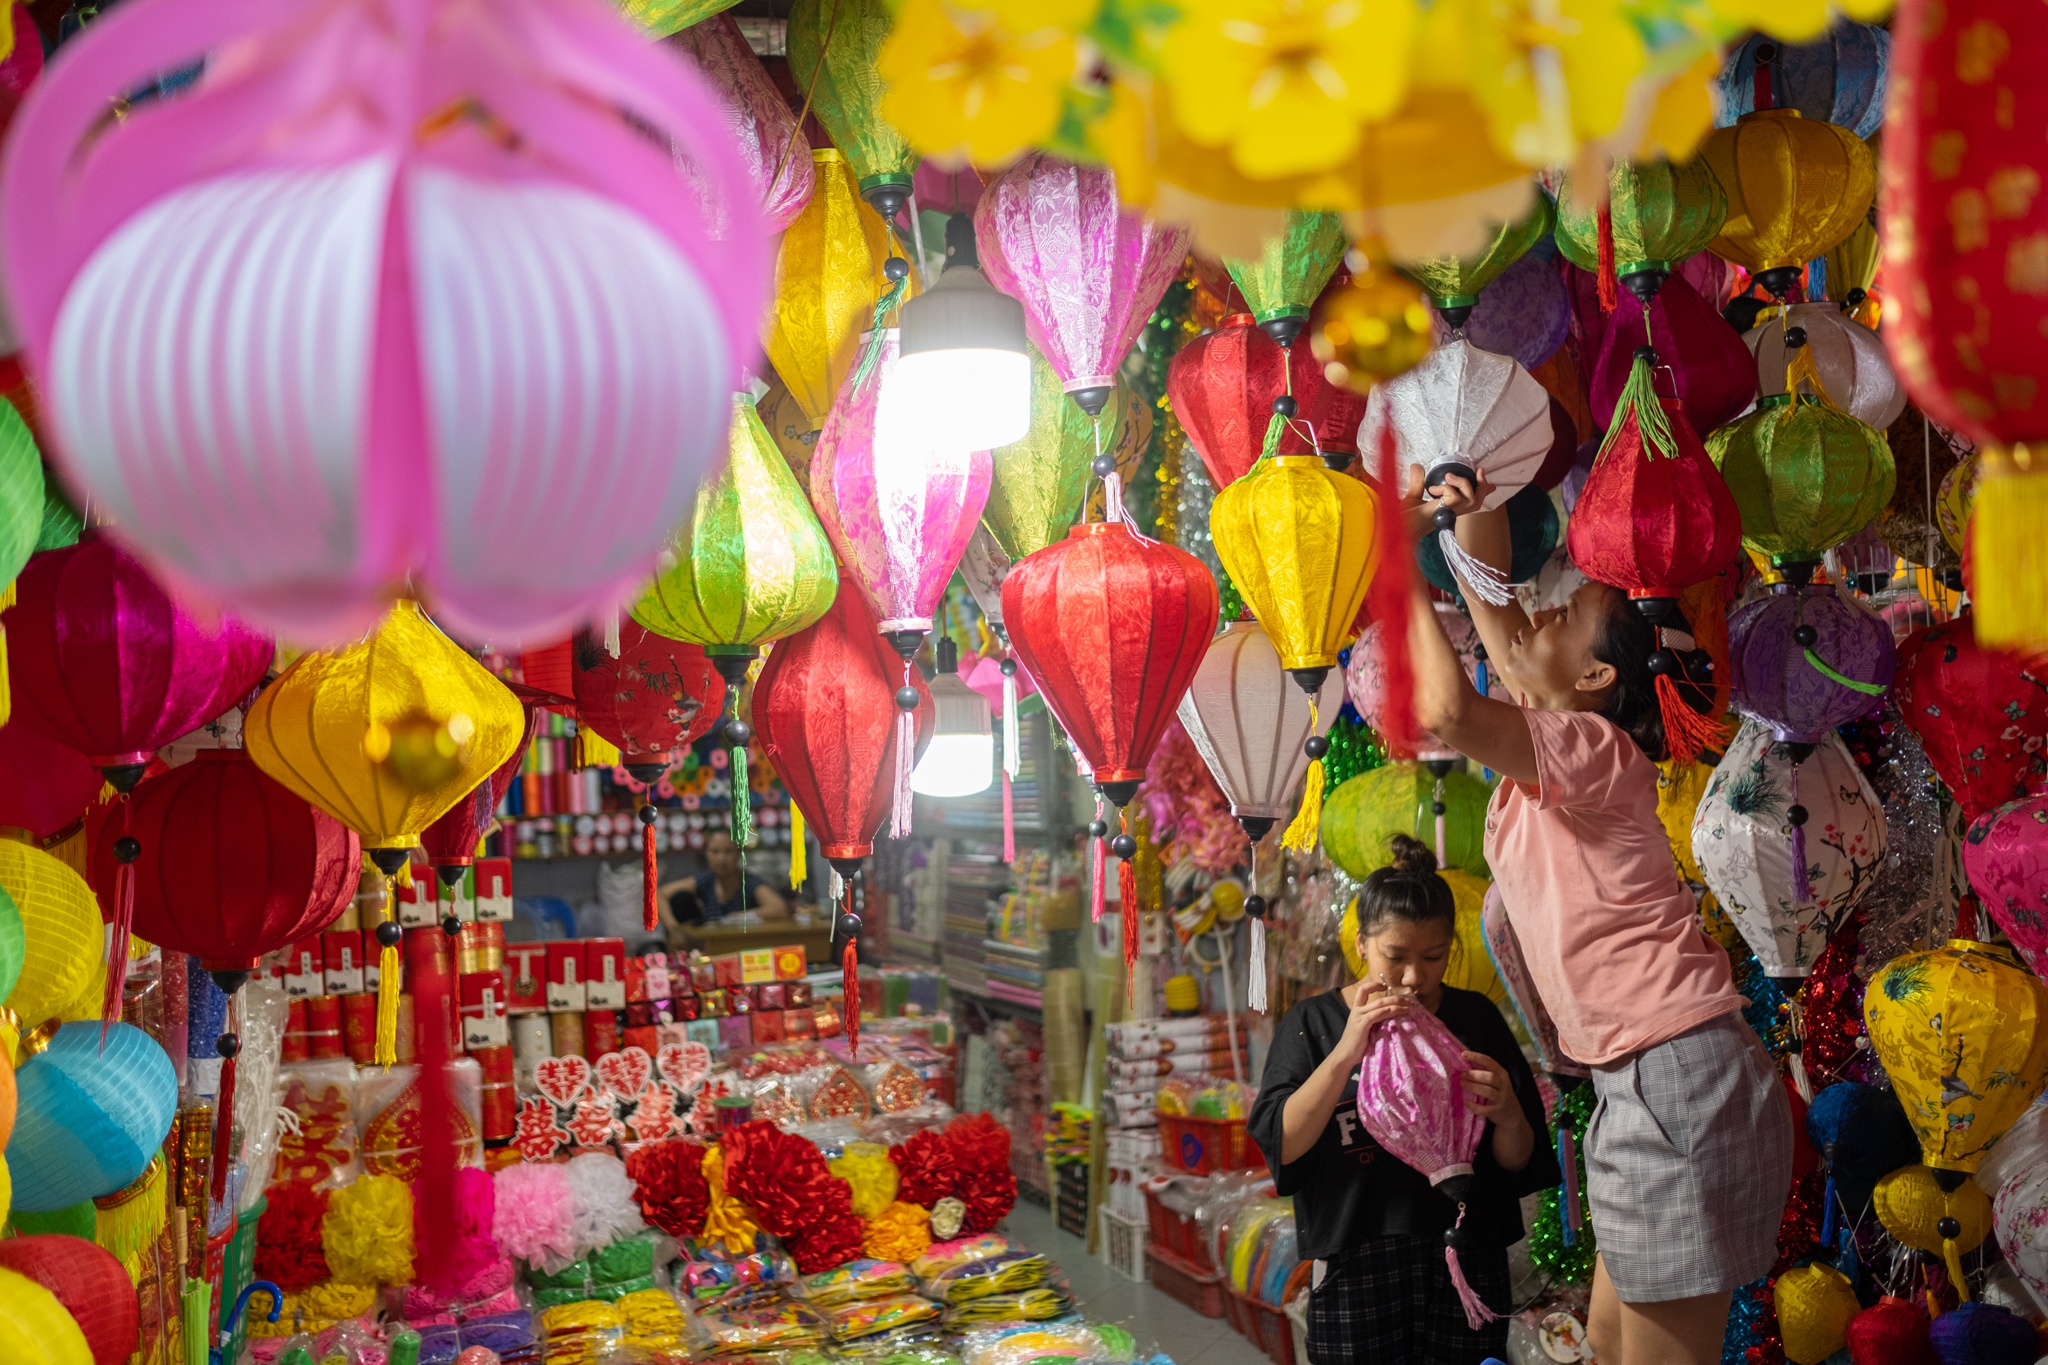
[[866, 1167], [1550, 74], [978, 82], [728, 1222], [1286, 83], [898, 1233], [1793, 21]]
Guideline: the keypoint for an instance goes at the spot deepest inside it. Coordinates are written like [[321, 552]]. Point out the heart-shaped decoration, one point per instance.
[[626, 1072], [562, 1079], [685, 1064]]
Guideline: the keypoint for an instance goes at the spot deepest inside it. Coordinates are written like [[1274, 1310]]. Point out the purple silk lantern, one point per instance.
[[2006, 858], [771, 144], [1524, 313], [1806, 660], [1713, 370], [1087, 270], [1411, 1102]]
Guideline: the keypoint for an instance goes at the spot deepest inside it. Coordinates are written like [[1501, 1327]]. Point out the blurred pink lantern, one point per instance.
[[1411, 1102], [2005, 856], [1365, 676], [762, 125], [1087, 270], [394, 293], [943, 190]]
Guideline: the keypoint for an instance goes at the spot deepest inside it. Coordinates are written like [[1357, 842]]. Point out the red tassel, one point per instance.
[[436, 1188], [1127, 904], [849, 981], [1009, 822], [1610, 287], [224, 1129], [1686, 731], [1099, 858], [1387, 598], [650, 874], [1966, 915], [117, 946]]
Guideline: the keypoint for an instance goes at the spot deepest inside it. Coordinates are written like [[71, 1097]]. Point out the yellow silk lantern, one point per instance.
[[60, 922], [35, 1329], [1852, 263], [1917, 1207], [1679, 789], [1963, 1031], [1815, 1303], [1796, 188], [828, 274]]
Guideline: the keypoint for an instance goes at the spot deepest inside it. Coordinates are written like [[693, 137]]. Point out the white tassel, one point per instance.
[[1442, 855], [1255, 990], [1013, 748], [611, 634], [906, 744], [1483, 580], [1800, 1081], [835, 887]]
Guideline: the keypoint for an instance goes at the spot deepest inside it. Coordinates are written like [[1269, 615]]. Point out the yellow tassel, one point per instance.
[[799, 859], [387, 1007], [593, 750], [1954, 1260], [6, 692], [1301, 835], [2008, 554], [127, 1222]]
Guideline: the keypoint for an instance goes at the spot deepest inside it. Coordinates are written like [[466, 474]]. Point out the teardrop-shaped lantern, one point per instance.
[[1658, 214], [832, 49], [1453, 282], [1248, 721], [652, 699], [1981, 714], [1281, 285], [2006, 856], [1805, 475], [1222, 385], [764, 128], [1855, 369], [1708, 369], [1036, 482]]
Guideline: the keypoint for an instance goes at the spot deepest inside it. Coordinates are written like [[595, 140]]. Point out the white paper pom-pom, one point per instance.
[[602, 1205]]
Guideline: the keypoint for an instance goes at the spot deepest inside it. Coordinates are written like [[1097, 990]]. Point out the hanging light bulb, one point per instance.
[[962, 757], [963, 378]]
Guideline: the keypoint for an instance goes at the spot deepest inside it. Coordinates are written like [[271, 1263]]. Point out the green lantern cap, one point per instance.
[[1281, 285], [1662, 214], [21, 495], [1806, 476], [660, 18], [1034, 493], [1363, 815], [832, 50], [752, 564], [1455, 281]]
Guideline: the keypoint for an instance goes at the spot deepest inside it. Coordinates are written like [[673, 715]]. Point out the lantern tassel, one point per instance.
[[650, 874], [1485, 582], [1610, 287], [388, 990], [6, 694], [1653, 423], [1255, 982], [799, 853], [1477, 1314], [742, 799], [1009, 821], [593, 750], [871, 348], [1301, 834], [1127, 888], [1802, 880], [1828, 1201], [849, 985], [224, 1120], [1388, 597], [906, 755], [117, 946], [1013, 743], [611, 633], [1952, 1257], [2009, 559]]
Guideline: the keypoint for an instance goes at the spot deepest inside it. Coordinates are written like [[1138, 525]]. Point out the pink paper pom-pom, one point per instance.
[[534, 1213]]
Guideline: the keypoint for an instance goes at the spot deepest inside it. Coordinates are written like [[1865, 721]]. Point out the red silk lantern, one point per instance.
[[450, 842], [101, 659], [1337, 425], [1222, 386], [1713, 373], [43, 786], [1966, 266], [90, 1284], [1981, 714], [1112, 627], [233, 864], [1564, 448]]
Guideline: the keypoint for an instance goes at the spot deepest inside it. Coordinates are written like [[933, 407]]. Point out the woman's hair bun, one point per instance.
[[1412, 855]]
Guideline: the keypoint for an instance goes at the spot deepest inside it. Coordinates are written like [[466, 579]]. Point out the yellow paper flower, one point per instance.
[[728, 1222], [978, 82], [1550, 74], [866, 1167], [899, 1233], [1286, 83]]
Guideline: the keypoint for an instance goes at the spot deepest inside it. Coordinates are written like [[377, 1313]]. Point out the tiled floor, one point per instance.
[[1150, 1315]]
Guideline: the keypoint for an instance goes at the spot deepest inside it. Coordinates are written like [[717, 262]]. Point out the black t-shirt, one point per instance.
[[1360, 1189], [698, 903]]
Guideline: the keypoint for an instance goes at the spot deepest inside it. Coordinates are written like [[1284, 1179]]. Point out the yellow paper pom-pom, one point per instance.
[[899, 1233], [727, 1223], [368, 1231], [337, 1299], [866, 1167]]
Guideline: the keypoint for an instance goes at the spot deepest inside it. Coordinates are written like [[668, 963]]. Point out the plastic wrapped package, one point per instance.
[[319, 1146], [1025, 1343], [892, 1128], [1258, 1236], [387, 1113], [511, 1336], [1203, 1097], [263, 1012], [779, 1324], [1221, 1198], [1039, 1304], [893, 1348], [856, 1280], [653, 1321], [1006, 1272], [866, 1317], [580, 1333], [708, 1276], [942, 1256]]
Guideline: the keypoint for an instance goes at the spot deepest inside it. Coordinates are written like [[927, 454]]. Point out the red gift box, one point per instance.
[[484, 1024], [768, 1027], [493, 880], [566, 977], [600, 1033], [526, 972], [639, 1014], [726, 971], [790, 962], [341, 962], [773, 995], [703, 973], [684, 1008], [646, 1037], [294, 1049], [604, 973], [798, 1025], [658, 976], [412, 896], [636, 980], [739, 1000], [303, 974], [796, 994]]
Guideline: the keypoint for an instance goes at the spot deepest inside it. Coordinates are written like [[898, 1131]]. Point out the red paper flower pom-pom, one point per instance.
[[979, 1144], [781, 1177], [830, 1241], [989, 1196], [925, 1167], [668, 1180], [289, 1252]]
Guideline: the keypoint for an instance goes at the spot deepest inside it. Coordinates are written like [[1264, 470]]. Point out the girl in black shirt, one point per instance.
[[1376, 1227]]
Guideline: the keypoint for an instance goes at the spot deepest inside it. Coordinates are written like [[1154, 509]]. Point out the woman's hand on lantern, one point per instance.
[[1488, 1092], [1462, 495]]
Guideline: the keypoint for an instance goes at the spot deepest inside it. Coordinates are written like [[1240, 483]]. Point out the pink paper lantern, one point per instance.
[[394, 293], [763, 128], [1088, 271], [1365, 676], [2006, 858], [899, 520]]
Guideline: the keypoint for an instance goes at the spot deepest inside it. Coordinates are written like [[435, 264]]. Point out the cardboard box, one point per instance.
[[671, 1034], [604, 973], [526, 973], [767, 1027], [797, 1025], [686, 1007], [703, 973], [735, 1033], [725, 972], [492, 882], [790, 962], [304, 976], [703, 1031], [566, 978], [757, 965], [643, 1037], [484, 1023], [636, 981], [341, 961], [654, 969], [412, 896], [713, 1004]]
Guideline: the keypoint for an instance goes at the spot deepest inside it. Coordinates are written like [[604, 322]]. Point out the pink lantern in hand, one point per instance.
[[1088, 271], [394, 293], [1411, 1102], [2005, 856]]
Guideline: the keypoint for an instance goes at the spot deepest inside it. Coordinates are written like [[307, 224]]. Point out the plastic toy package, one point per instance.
[[1010, 1271], [709, 1277], [1026, 1343], [866, 1317], [767, 1326], [1259, 1248], [856, 1280], [1029, 1305], [1203, 1097], [581, 1333], [943, 1256]]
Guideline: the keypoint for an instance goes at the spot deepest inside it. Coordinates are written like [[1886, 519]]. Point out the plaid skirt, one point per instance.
[[1392, 1300], [1688, 1162]]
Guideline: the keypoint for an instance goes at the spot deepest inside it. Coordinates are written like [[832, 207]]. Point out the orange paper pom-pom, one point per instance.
[[900, 1233]]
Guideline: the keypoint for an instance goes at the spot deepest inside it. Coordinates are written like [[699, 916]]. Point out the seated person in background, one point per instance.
[[717, 893]]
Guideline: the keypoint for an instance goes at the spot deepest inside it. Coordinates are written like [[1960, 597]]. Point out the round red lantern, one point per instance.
[[90, 1284], [231, 863], [1112, 627], [1222, 386], [44, 786], [651, 700], [101, 659], [1981, 714]]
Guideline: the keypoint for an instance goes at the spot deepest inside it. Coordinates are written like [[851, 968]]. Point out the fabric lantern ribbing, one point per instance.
[[1712, 374], [1838, 78], [1983, 1334], [1454, 283], [522, 315], [1112, 627], [1088, 271], [652, 701], [1807, 660], [1981, 714], [1036, 481], [1365, 676], [1805, 474], [1945, 1023], [89, 1282], [764, 129], [1795, 188], [1855, 369], [451, 841], [1525, 313], [1280, 286], [1362, 816], [832, 49], [1945, 1217], [35, 1329], [60, 930], [1890, 1332], [1814, 1304], [89, 1116], [1657, 215], [233, 865], [1788, 837], [1221, 386], [22, 497], [828, 274], [44, 786]]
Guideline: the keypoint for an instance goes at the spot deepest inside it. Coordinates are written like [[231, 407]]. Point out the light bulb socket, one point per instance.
[[946, 655]]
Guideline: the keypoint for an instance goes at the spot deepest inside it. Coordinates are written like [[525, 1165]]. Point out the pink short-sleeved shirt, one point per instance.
[[1585, 871]]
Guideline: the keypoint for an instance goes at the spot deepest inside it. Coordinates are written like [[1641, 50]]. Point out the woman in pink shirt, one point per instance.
[[1689, 1153]]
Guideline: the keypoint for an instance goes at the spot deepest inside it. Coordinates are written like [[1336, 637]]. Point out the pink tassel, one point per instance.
[[1477, 1314], [1009, 822], [1100, 856]]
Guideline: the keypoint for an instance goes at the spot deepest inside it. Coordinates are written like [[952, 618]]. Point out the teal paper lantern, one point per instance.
[[88, 1118]]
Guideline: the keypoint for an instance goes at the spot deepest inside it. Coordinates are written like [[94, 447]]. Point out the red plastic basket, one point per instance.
[[1265, 1326], [1177, 1233], [1203, 1292], [1205, 1146]]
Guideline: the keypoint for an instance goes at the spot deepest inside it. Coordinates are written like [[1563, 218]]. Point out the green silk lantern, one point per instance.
[[751, 565], [1660, 214], [1453, 282], [1281, 285], [1806, 476], [62, 525], [1361, 817], [832, 50], [660, 18], [21, 517], [1035, 492]]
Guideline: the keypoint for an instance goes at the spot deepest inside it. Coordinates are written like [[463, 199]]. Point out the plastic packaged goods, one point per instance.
[[1023, 1343], [852, 1282], [866, 1317], [770, 1326]]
